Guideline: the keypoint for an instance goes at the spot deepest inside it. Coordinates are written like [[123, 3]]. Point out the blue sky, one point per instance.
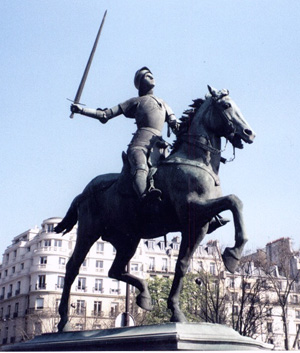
[[250, 47]]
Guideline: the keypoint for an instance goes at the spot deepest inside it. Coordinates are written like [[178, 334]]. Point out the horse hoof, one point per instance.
[[230, 261], [178, 317], [64, 326], [144, 301]]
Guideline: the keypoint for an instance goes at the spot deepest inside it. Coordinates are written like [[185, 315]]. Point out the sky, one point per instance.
[[250, 47]]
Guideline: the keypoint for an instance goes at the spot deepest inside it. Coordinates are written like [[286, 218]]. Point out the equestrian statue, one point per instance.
[[161, 188]]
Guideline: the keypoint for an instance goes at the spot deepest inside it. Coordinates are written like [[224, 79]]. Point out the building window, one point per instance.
[[99, 247], [41, 282], [269, 312], [175, 246], [15, 254], [57, 302], [162, 245], [62, 261], [18, 289], [295, 299], [235, 310], [58, 243], [165, 265], [151, 244], [134, 267], [8, 311], [47, 243], [2, 293], [234, 296], [38, 328], [247, 285], [80, 307], [297, 314], [43, 260], [13, 270], [5, 273], [39, 303], [269, 327], [84, 264], [97, 308], [114, 309], [81, 283], [212, 268], [152, 264], [98, 284], [60, 282], [79, 327], [49, 228], [16, 310], [99, 265], [9, 294], [22, 266], [114, 287]]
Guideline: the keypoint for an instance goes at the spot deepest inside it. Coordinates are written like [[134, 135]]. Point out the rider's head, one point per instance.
[[144, 81]]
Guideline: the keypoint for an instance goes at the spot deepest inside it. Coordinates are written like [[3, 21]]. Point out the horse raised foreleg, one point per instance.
[[118, 271], [190, 240], [82, 247], [210, 208]]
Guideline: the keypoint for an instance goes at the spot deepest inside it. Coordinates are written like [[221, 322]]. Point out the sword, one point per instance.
[[88, 65]]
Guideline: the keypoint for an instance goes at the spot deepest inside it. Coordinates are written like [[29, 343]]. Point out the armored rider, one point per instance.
[[150, 113]]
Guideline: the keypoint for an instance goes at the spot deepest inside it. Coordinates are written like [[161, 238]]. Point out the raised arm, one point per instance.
[[103, 115]]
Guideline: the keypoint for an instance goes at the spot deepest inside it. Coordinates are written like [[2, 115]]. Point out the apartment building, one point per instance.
[[32, 278]]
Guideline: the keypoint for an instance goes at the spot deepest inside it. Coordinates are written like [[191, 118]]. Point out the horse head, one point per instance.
[[226, 118]]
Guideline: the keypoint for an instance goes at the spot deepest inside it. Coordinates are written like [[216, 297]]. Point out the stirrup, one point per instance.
[[153, 194]]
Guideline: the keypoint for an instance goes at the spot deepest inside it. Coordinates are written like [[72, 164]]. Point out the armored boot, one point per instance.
[[140, 186], [216, 223]]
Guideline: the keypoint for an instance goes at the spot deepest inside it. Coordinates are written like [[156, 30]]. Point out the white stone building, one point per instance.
[[32, 278]]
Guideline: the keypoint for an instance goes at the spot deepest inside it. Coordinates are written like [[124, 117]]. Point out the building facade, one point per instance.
[[32, 279]]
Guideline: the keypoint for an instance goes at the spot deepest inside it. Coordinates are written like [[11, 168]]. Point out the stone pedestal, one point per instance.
[[166, 337]]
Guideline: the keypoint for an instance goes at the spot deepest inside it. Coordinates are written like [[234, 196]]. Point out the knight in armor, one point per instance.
[[150, 114]]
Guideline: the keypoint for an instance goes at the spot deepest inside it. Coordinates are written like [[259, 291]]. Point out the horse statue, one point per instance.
[[191, 199]]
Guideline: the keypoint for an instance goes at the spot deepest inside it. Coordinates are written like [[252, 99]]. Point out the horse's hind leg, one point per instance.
[[125, 252], [82, 247], [191, 238]]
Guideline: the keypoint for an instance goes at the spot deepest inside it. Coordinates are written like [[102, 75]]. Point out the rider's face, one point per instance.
[[148, 80]]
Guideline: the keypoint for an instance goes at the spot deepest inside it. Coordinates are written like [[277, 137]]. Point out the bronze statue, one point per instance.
[[150, 113], [190, 198]]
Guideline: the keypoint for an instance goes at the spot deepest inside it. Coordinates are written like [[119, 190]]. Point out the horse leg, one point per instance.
[[211, 208], [190, 240], [118, 271], [82, 247]]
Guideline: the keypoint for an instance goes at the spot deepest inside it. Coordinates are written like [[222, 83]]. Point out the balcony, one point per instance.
[[1, 297], [17, 291], [114, 291], [15, 314], [81, 289], [40, 286], [97, 313], [9, 294]]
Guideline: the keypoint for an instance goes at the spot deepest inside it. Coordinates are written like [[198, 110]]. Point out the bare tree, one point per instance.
[[250, 304]]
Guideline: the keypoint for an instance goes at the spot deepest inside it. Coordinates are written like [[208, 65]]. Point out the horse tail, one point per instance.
[[70, 219]]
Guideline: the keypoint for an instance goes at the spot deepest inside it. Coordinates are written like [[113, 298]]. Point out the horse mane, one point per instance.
[[186, 120]]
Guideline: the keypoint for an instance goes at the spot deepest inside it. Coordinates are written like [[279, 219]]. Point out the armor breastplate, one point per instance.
[[150, 112]]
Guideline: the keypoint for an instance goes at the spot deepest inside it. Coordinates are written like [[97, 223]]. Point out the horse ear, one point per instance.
[[212, 91]]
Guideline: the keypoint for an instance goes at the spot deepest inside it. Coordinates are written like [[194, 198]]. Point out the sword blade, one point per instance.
[[88, 65]]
